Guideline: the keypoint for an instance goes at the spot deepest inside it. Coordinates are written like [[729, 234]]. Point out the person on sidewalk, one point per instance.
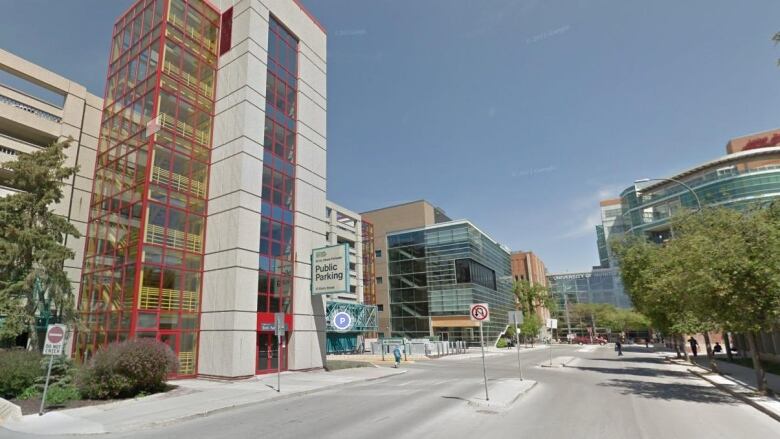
[[694, 346], [619, 347], [717, 348], [397, 355]]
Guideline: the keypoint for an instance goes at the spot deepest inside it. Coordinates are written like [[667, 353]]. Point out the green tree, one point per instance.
[[531, 298], [721, 271], [32, 243]]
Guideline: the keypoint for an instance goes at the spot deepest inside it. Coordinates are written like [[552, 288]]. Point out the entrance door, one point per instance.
[[268, 353]]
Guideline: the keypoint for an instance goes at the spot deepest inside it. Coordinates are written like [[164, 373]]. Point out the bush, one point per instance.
[[62, 393], [18, 371], [123, 370], [501, 343]]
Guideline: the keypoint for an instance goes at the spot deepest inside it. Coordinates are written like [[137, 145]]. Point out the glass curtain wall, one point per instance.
[[144, 253], [440, 272], [278, 190]]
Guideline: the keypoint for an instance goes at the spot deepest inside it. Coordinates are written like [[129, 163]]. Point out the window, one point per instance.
[[379, 280], [470, 271], [378, 253], [380, 307]]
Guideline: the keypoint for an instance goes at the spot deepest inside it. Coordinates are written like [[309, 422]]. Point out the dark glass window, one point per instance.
[[470, 271]]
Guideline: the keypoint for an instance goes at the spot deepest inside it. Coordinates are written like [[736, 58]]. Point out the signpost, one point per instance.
[[55, 341], [342, 321], [517, 318], [479, 312], [280, 327], [330, 270], [551, 324]]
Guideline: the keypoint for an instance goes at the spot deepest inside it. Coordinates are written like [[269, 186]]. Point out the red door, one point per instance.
[[269, 354]]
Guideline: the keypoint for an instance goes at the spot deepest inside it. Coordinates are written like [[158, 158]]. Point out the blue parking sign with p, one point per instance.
[[342, 321]]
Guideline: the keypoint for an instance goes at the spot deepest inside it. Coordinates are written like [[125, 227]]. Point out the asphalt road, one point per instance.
[[598, 395]]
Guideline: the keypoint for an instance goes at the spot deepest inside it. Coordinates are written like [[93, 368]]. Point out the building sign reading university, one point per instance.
[[330, 270]]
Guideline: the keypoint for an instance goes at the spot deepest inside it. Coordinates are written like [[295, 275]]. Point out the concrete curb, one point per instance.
[[526, 386], [741, 396], [9, 411], [281, 397]]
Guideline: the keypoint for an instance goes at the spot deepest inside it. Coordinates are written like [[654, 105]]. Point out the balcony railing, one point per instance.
[[178, 182], [22, 106], [187, 79], [154, 298], [201, 136], [175, 238]]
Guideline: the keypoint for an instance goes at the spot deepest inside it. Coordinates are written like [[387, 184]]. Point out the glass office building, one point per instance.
[[595, 286], [437, 272]]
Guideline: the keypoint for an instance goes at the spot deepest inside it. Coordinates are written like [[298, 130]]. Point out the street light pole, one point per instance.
[[673, 180]]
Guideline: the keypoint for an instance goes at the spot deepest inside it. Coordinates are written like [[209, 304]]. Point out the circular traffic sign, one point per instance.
[[55, 335], [342, 321], [479, 312]]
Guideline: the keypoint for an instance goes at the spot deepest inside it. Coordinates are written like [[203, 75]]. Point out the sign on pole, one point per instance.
[[552, 323], [53, 345], [517, 318], [55, 340], [280, 327], [342, 321], [479, 312], [330, 270]]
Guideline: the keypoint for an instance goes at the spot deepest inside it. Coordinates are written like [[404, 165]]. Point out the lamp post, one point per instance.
[[674, 180]]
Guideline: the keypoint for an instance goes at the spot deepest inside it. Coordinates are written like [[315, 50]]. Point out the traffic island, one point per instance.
[[557, 362], [502, 392]]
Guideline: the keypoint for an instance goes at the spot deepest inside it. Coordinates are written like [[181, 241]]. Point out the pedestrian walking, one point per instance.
[[694, 346], [717, 348], [619, 348], [397, 355]]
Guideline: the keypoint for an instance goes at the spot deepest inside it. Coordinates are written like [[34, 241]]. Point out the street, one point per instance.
[[597, 395]]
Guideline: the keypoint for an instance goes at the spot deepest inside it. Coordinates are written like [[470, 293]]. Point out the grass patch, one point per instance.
[[332, 365], [769, 367]]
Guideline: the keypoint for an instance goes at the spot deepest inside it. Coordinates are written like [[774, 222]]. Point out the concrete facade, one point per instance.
[[29, 123], [410, 215], [345, 227], [229, 306]]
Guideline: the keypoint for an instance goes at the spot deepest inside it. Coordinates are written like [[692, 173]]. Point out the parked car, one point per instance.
[[585, 339]]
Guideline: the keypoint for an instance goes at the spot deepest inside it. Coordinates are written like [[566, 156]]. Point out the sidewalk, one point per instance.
[[192, 398], [743, 375], [739, 381]]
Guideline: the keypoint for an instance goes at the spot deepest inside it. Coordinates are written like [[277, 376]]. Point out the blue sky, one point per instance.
[[517, 114]]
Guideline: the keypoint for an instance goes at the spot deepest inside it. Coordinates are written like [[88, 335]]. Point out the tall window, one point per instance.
[[278, 184]]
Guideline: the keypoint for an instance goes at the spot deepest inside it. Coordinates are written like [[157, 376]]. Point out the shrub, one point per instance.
[[501, 343], [123, 370], [61, 393], [18, 371]]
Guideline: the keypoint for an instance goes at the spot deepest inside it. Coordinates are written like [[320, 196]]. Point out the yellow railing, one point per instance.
[[178, 181], [154, 298], [175, 238], [186, 363], [192, 32], [186, 78], [201, 136]]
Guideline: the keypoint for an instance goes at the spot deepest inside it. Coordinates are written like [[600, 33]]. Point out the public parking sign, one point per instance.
[[479, 312], [342, 321], [55, 340]]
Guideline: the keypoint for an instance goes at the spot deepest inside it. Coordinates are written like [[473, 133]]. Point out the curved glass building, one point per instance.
[[744, 177]]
